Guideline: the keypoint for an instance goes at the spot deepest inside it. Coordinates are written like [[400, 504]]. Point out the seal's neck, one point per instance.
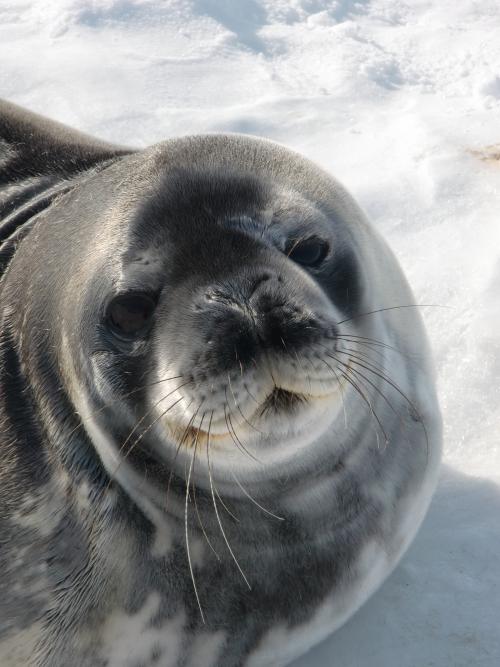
[[20, 206]]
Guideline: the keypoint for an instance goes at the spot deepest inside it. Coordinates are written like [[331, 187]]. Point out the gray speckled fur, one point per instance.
[[77, 219]]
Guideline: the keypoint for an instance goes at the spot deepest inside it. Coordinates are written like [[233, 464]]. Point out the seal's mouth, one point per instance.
[[279, 401]]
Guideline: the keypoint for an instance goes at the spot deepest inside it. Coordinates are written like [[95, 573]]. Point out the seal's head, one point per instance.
[[212, 305]]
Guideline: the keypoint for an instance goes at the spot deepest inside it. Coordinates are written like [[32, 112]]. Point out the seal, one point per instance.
[[219, 428]]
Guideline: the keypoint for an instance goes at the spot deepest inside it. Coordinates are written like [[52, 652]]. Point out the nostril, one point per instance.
[[263, 278], [267, 305]]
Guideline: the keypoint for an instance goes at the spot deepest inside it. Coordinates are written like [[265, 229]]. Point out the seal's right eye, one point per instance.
[[308, 251], [130, 314]]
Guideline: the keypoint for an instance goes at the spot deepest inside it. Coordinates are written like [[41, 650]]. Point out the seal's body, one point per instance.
[[218, 424]]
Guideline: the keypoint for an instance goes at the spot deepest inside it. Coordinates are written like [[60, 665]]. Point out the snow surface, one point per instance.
[[400, 100]]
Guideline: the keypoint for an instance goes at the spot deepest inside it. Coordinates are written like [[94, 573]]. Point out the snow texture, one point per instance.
[[400, 99]]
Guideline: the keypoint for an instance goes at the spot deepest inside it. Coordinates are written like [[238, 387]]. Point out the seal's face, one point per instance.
[[216, 327]]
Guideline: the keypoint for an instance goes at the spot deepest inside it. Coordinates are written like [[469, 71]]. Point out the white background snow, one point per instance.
[[400, 100]]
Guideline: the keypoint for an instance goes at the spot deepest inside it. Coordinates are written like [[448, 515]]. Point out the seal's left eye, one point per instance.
[[308, 252], [130, 314]]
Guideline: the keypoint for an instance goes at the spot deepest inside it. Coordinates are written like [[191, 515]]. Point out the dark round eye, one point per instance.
[[308, 252], [130, 314]]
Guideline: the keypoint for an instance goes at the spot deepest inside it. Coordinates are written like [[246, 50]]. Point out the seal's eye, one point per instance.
[[130, 314], [308, 252]]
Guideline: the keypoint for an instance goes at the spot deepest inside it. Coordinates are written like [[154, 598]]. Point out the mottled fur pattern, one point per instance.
[[94, 567]]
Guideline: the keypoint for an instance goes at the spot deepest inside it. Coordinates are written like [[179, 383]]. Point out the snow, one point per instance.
[[401, 101]]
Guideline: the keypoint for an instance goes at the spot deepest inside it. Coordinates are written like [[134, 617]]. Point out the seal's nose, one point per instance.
[[261, 314]]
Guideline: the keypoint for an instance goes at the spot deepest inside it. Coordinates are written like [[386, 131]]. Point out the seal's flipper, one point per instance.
[[31, 145]]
